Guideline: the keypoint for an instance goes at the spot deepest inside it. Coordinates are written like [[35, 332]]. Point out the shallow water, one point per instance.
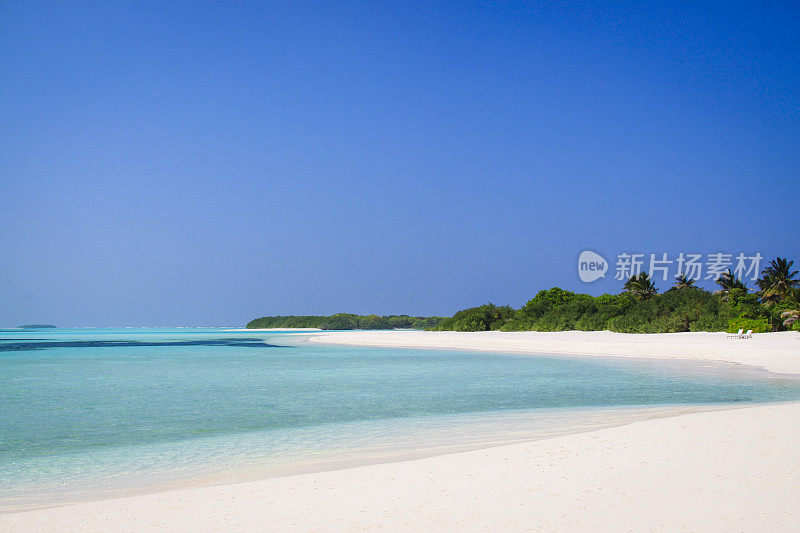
[[91, 413]]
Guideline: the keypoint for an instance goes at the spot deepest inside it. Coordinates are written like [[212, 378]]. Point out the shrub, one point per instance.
[[758, 325], [482, 318]]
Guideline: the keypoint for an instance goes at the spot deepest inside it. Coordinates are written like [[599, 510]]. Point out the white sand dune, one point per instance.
[[733, 470]]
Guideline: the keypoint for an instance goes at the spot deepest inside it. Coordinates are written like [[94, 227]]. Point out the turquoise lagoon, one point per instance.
[[91, 413]]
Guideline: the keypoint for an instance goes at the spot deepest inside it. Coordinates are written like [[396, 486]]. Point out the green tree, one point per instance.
[[728, 282], [482, 318], [641, 286], [682, 282], [547, 300], [777, 280]]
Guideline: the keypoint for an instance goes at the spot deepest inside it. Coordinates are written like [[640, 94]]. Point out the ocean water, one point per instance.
[[96, 413]]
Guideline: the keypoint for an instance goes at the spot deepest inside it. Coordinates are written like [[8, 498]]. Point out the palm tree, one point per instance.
[[641, 286], [682, 282], [777, 280], [728, 282]]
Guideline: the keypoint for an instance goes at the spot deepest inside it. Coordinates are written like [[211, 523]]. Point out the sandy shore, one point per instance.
[[723, 471], [274, 329], [777, 352], [734, 470]]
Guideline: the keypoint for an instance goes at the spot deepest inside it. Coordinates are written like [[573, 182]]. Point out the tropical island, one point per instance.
[[36, 326], [639, 308]]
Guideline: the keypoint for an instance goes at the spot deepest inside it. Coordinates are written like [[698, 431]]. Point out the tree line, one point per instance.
[[771, 306], [342, 321], [639, 308]]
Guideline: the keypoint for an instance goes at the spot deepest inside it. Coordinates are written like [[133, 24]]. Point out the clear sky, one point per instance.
[[170, 163]]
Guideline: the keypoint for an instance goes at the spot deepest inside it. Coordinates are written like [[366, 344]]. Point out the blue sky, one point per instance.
[[171, 163]]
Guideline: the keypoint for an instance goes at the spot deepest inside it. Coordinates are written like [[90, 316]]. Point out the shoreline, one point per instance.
[[778, 353], [507, 428], [691, 471], [290, 330], [720, 457]]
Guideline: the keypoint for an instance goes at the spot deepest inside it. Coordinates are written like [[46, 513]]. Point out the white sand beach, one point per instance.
[[273, 329], [736, 469], [776, 352]]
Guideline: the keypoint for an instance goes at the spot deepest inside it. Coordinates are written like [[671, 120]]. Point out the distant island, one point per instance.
[[639, 308], [36, 326]]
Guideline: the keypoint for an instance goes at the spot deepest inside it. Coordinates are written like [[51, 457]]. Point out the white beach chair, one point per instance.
[[748, 335], [737, 336]]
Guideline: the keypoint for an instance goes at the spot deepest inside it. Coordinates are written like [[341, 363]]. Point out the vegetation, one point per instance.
[[728, 282], [346, 321], [777, 281], [641, 286], [559, 310], [791, 316], [484, 318], [640, 309], [682, 282]]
